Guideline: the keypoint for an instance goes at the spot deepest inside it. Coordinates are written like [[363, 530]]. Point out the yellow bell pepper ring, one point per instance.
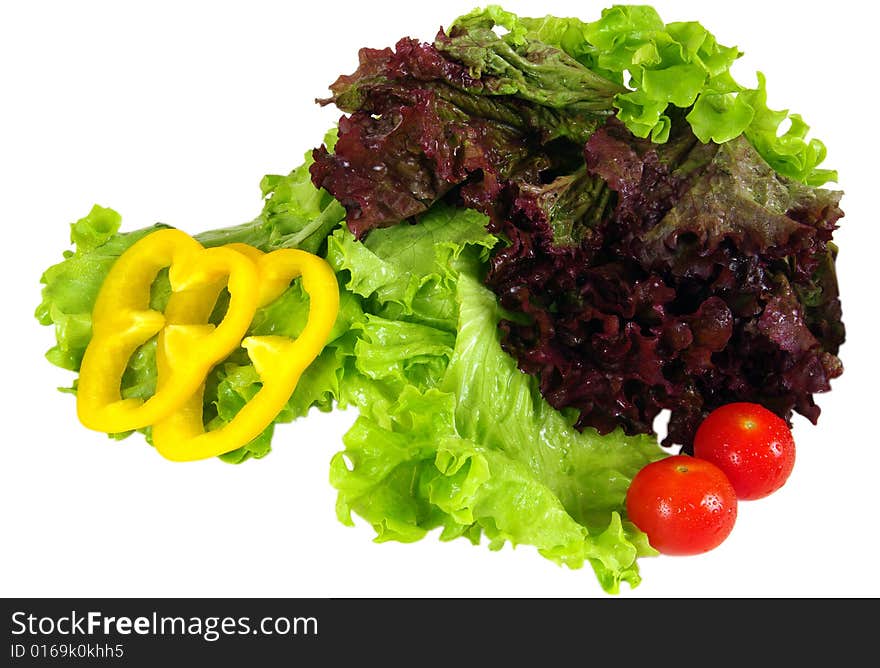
[[122, 320], [278, 360]]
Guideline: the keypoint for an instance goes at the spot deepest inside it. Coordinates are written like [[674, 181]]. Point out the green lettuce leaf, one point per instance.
[[406, 272], [501, 407], [295, 213], [450, 435], [482, 454], [678, 64], [71, 286]]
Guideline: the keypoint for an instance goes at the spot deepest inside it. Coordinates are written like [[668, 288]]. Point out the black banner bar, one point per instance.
[[280, 631]]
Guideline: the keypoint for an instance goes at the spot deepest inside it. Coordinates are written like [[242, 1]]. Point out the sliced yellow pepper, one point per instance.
[[278, 360], [122, 320]]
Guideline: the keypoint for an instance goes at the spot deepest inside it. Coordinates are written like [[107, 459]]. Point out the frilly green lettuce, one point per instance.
[[450, 435], [679, 64], [479, 453]]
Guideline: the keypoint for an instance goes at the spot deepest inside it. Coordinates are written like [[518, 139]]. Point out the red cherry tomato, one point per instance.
[[752, 445], [684, 505]]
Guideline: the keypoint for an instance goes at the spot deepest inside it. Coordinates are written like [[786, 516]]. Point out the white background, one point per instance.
[[173, 111]]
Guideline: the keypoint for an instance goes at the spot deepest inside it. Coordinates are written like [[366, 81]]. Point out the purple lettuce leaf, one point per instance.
[[641, 277], [469, 110], [709, 280]]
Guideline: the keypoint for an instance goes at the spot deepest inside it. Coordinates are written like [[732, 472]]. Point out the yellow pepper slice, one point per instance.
[[278, 360], [122, 320]]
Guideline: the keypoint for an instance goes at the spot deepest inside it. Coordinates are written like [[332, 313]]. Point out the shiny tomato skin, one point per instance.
[[751, 444], [685, 505]]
